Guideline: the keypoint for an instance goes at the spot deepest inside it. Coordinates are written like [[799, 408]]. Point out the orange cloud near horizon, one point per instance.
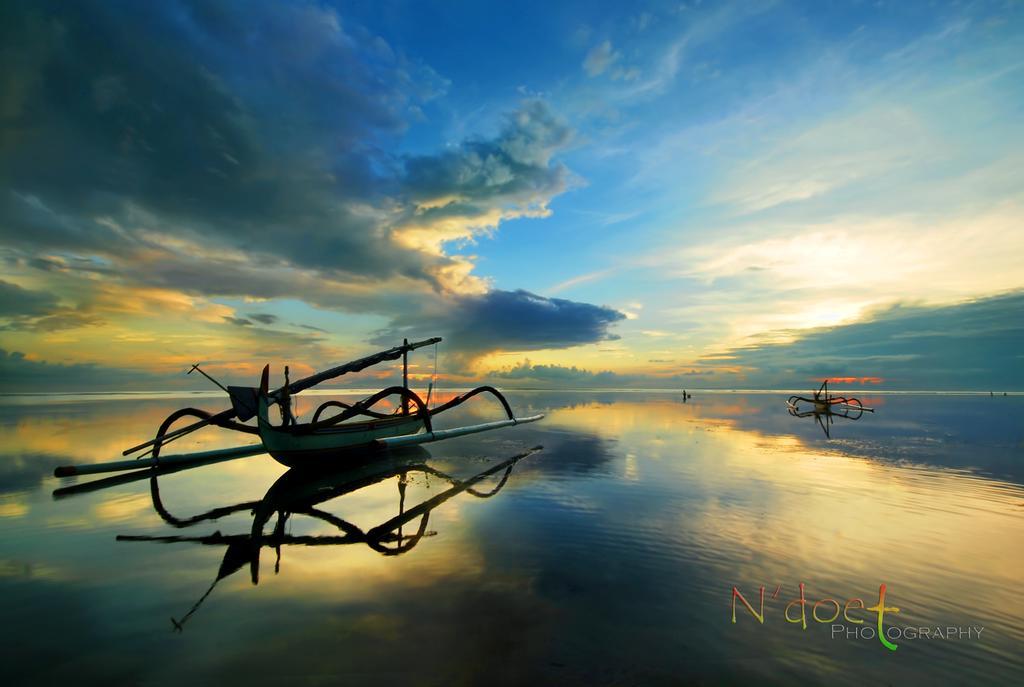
[[851, 380]]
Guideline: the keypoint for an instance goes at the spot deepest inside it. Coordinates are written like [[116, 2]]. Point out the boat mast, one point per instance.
[[405, 375]]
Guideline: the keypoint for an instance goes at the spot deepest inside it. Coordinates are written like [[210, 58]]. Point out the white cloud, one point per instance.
[[821, 274], [826, 157], [600, 57]]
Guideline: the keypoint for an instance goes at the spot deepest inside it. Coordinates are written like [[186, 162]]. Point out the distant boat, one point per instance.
[[824, 407]]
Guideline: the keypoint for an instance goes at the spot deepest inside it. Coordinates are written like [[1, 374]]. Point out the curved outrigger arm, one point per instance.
[[426, 414], [363, 408], [437, 435]]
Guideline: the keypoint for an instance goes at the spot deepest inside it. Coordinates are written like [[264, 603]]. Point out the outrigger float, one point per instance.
[[824, 407], [298, 444]]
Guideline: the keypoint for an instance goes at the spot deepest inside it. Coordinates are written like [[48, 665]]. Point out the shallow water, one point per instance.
[[607, 557]]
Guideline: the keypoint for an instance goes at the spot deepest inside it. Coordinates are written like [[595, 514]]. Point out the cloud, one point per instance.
[[243, 151], [581, 279], [815, 161], [600, 57], [703, 27], [508, 320], [772, 275], [560, 376], [19, 302], [40, 311], [185, 133], [18, 373], [463, 192], [121, 144], [62, 319], [974, 345], [556, 375]]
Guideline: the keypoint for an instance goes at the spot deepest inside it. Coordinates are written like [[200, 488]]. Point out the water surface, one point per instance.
[[607, 557]]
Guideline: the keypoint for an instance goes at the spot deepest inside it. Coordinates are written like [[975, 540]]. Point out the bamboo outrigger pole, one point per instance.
[[296, 387], [180, 460]]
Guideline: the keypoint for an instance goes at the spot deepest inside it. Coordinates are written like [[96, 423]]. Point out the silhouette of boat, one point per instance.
[[824, 408], [356, 426]]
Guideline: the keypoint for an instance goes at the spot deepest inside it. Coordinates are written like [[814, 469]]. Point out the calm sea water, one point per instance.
[[609, 556]]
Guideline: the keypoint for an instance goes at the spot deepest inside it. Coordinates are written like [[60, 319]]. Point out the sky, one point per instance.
[[650, 194]]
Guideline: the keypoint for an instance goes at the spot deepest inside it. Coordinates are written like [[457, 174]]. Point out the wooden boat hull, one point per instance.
[[303, 449]]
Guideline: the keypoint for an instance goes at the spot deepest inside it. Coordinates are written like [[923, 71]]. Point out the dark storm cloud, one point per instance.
[[974, 345], [522, 320], [510, 320], [252, 125]]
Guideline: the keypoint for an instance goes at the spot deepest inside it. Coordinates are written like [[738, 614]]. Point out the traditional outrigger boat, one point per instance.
[[357, 427], [824, 407]]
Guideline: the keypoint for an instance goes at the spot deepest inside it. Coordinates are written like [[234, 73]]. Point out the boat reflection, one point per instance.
[[303, 492]]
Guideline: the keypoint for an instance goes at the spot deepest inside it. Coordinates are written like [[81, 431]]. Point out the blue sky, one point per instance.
[[652, 190]]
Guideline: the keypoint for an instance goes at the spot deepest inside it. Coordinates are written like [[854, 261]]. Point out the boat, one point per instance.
[[356, 428], [824, 407], [296, 445]]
